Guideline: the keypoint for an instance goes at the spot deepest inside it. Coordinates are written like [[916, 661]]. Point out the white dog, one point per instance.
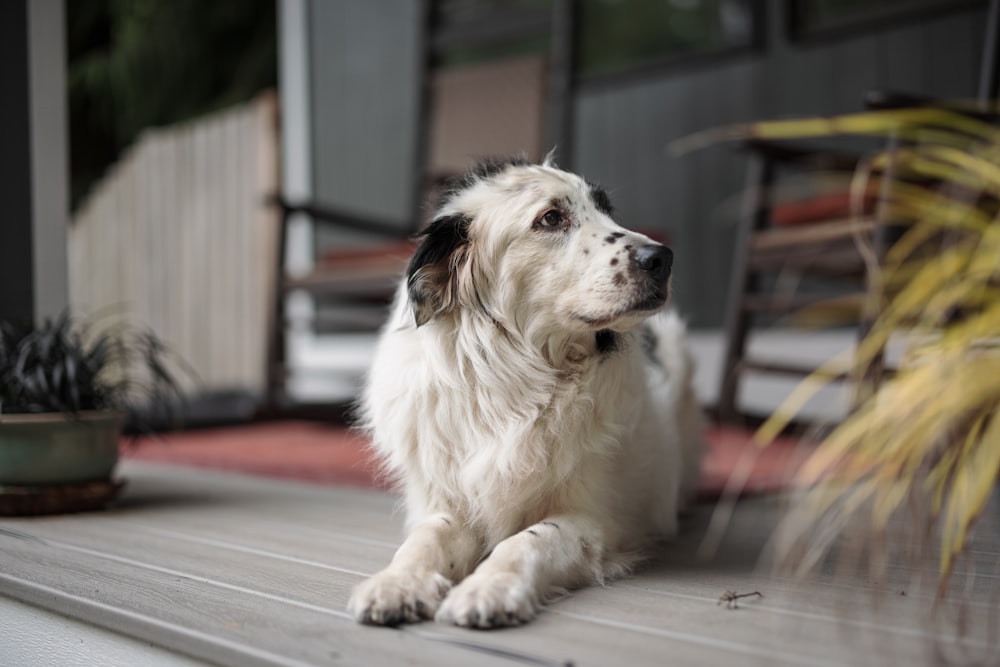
[[543, 431]]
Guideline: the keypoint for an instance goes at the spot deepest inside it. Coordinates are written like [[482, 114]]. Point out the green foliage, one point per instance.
[[57, 367], [135, 64]]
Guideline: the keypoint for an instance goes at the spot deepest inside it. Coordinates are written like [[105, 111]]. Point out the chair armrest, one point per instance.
[[882, 100], [785, 152], [338, 218]]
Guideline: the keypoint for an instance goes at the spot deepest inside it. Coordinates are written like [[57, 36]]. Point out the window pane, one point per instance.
[[818, 16], [614, 35]]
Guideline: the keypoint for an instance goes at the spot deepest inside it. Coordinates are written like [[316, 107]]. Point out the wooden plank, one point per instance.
[[778, 625], [196, 250], [242, 570], [191, 547], [66, 641], [797, 236], [226, 625], [201, 589], [752, 365], [312, 584], [778, 303]]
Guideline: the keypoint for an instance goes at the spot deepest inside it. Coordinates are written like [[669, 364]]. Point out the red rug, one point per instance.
[[326, 454]]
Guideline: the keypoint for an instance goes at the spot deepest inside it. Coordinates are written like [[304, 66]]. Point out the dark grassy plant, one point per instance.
[[60, 366]]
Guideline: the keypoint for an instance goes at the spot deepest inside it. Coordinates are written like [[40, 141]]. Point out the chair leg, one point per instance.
[[274, 372], [743, 281], [867, 379]]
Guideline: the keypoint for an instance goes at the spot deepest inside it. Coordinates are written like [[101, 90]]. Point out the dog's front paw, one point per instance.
[[391, 598], [490, 601]]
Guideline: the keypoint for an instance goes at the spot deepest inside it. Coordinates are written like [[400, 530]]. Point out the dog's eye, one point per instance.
[[552, 219]]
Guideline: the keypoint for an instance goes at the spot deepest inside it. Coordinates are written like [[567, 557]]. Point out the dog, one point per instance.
[[535, 410]]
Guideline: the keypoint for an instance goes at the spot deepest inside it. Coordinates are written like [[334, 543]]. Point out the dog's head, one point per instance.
[[534, 246]]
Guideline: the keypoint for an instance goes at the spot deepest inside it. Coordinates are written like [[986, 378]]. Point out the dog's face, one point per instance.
[[533, 246]]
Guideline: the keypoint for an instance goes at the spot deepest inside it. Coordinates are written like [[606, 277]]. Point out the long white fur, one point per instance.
[[530, 460]]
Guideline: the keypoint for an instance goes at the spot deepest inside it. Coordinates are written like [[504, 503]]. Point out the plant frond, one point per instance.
[[933, 430]]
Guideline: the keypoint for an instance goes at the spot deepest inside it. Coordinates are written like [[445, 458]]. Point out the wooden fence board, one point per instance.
[[177, 238]]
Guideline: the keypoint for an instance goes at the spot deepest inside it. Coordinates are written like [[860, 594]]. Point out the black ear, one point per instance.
[[429, 276]]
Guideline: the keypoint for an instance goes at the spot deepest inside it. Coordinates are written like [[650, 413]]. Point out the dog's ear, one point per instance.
[[430, 275]]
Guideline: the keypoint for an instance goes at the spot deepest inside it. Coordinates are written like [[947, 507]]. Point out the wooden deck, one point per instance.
[[240, 570]]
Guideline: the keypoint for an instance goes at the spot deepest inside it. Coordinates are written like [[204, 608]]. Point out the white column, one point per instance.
[[49, 153], [294, 72], [296, 140]]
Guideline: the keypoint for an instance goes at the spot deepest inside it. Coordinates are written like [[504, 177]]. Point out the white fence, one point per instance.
[[177, 238]]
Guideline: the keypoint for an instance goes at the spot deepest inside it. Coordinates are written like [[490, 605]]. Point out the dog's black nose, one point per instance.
[[655, 260]]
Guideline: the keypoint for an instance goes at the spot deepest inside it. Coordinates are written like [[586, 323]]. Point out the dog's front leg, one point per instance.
[[437, 552], [509, 586]]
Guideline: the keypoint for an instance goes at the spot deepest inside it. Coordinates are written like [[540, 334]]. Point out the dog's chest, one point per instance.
[[511, 461]]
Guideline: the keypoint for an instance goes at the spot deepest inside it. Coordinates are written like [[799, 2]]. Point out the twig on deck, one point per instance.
[[731, 597]]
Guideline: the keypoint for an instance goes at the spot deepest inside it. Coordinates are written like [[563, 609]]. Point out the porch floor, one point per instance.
[[202, 565]]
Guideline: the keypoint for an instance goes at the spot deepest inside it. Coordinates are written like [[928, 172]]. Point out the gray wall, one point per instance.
[[622, 129]]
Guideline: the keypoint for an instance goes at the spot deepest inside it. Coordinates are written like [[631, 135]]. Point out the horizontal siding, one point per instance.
[[622, 131]]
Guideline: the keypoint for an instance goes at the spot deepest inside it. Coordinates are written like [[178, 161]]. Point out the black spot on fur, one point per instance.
[[607, 341], [649, 343], [551, 523], [532, 532], [619, 279], [485, 169], [614, 261], [613, 236], [601, 199], [428, 276]]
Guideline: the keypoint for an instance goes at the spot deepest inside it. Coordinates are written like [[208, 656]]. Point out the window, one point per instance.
[[817, 17], [474, 31], [619, 35]]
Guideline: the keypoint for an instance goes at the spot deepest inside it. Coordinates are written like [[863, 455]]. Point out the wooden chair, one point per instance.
[[821, 238], [818, 234], [796, 226], [467, 114]]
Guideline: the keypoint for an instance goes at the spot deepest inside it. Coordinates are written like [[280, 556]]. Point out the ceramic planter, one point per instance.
[[57, 448]]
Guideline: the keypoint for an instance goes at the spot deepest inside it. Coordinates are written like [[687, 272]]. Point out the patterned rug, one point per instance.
[[327, 454]]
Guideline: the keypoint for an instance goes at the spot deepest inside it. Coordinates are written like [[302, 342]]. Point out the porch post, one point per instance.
[[33, 161]]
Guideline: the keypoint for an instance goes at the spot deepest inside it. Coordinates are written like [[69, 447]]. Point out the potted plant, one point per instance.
[[65, 394]]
